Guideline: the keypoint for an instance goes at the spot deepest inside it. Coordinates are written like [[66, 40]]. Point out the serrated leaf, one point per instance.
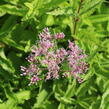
[[101, 71], [90, 6], [14, 99], [33, 9], [63, 11]]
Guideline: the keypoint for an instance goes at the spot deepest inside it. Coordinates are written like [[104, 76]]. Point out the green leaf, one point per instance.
[[105, 100], [108, 26], [83, 104], [5, 63], [71, 89], [9, 23], [69, 93], [33, 9], [96, 103], [43, 96], [10, 9], [8, 26], [14, 98], [54, 3], [99, 18], [12, 43], [90, 5], [63, 11], [51, 105], [83, 88], [101, 68], [48, 20], [101, 72], [22, 96], [100, 82]]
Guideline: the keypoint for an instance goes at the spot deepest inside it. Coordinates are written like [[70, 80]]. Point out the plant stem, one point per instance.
[[76, 19]]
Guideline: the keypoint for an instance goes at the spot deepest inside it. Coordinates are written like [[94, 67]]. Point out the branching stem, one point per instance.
[[76, 19]]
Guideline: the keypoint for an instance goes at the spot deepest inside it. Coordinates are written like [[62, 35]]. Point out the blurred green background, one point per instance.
[[84, 21]]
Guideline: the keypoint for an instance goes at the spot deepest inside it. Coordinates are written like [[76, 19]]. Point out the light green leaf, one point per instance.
[[90, 5], [10, 9], [105, 100], [63, 11], [108, 26], [99, 18], [43, 96]]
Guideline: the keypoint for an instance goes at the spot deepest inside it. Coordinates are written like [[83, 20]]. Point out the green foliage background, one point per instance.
[[84, 21]]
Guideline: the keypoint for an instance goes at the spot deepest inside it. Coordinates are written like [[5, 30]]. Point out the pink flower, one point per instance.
[[24, 70], [46, 44], [55, 75], [36, 51], [60, 54], [71, 44], [34, 79], [33, 68], [75, 59], [31, 58], [47, 57], [45, 35], [59, 36], [48, 76]]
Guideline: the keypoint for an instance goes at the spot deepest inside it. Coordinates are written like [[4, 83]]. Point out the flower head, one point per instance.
[[45, 35], [59, 36], [44, 58]]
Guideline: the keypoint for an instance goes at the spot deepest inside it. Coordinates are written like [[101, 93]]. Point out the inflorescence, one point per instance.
[[46, 59]]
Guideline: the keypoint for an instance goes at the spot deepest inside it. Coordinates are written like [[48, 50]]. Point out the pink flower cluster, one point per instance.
[[76, 62], [46, 59]]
